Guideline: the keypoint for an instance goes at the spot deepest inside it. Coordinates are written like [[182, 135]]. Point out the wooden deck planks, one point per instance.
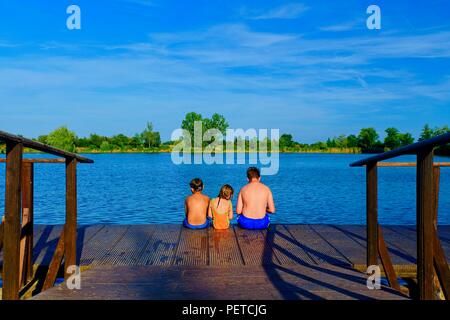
[[193, 248], [223, 248], [401, 244], [286, 247], [127, 251], [203, 282], [98, 248], [313, 243], [45, 244], [281, 244], [162, 246], [171, 262], [347, 242], [254, 248]]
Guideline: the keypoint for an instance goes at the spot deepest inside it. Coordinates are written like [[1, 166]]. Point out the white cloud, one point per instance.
[[346, 26], [288, 11]]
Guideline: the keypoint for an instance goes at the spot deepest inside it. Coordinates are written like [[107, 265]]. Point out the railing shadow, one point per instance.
[[44, 245], [392, 250], [291, 291]]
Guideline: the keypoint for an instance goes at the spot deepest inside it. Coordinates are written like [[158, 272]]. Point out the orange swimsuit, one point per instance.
[[220, 219]]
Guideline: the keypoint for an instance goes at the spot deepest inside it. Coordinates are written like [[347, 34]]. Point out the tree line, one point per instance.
[[148, 140], [368, 141]]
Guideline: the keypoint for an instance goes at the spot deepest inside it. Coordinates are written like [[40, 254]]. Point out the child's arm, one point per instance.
[[270, 203], [210, 210], [230, 211], [185, 208], [240, 204]]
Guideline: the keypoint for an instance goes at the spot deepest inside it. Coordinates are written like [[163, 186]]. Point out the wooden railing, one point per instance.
[[16, 231], [430, 255]]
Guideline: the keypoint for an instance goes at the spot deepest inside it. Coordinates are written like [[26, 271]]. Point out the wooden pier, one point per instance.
[[171, 262]]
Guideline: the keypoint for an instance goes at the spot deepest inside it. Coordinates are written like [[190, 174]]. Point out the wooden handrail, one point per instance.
[[38, 160], [430, 256], [410, 164], [16, 233], [409, 149], [4, 136]]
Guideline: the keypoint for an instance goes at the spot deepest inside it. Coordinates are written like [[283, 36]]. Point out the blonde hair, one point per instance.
[[226, 192]]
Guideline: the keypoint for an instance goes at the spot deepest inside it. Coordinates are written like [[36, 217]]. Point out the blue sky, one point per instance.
[[310, 68]]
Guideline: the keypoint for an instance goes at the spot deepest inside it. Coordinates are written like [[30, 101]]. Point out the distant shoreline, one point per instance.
[[168, 151], [335, 151]]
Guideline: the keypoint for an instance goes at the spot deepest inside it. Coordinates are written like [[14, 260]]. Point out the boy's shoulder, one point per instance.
[[205, 197]]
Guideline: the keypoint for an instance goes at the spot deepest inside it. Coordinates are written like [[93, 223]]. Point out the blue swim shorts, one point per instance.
[[186, 224], [253, 224]]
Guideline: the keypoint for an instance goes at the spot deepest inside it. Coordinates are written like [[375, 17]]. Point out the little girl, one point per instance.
[[221, 208]]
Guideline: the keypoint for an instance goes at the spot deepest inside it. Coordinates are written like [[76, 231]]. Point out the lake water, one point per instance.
[[149, 188]]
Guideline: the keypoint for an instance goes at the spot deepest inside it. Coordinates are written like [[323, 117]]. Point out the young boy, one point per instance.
[[196, 207], [255, 200]]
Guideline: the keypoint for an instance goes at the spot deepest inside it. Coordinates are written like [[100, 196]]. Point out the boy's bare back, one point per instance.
[[196, 208], [255, 200]]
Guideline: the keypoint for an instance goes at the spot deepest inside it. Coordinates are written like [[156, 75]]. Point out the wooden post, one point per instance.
[[70, 228], [11, 253], [372, 213], [436, 178], [27, 219], [425, 228], [1, 234], [55, 264], [386, 261]]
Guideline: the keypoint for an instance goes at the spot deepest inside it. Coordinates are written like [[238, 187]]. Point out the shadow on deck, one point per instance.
[[170, 262]]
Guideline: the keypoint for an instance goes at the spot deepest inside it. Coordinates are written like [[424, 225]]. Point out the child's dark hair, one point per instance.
[[226, 192], [253, 173], [196, 184]]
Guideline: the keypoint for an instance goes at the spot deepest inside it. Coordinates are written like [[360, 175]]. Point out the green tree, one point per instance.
[[352, 141], [427, 133], [82, 142], [189, 121], [441, 130], [341, 141], [95, 140], [42, 139], [121, 141], [62, 138], [136, 142], [331, 143], [286, 141], [105, 146], [406, 139], [156, 140], [368, 139], [392, 140], [217, 121], [150, 137]]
